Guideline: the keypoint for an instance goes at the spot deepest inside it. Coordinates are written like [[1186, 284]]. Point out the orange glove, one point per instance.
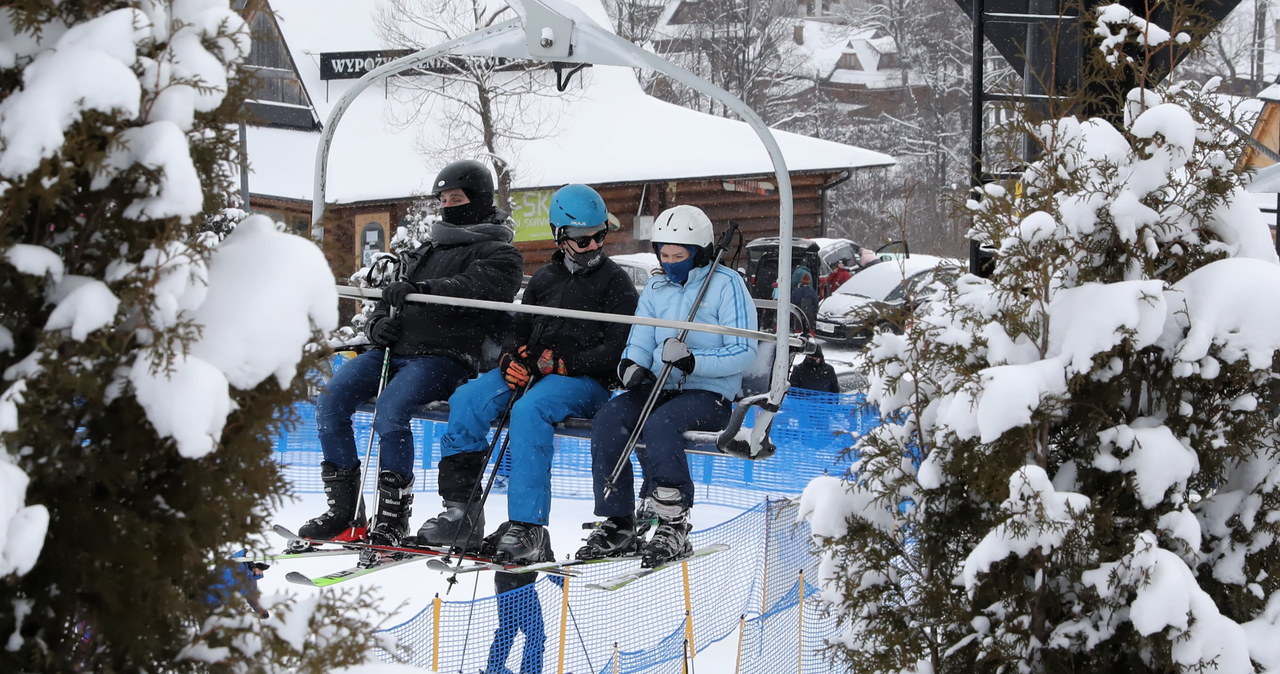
[[549, 364], [515, 371]]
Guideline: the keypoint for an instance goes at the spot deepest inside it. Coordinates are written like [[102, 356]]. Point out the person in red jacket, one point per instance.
[[835, 279]]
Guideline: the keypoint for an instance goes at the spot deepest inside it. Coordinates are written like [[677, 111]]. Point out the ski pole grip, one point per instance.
[[726, 239]]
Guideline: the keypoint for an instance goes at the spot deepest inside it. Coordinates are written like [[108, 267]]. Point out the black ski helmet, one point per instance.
[[468, 175]]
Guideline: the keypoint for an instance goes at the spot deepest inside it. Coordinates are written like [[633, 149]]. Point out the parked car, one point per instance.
[[854, 311], [640, 266], [819, 255]]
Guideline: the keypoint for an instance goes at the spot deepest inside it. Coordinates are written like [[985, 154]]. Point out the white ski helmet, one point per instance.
[[684, 224]]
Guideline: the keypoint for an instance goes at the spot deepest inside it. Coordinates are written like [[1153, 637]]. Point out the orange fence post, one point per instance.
[[742, 628], [435, 633], [688, 609], [564, 622]]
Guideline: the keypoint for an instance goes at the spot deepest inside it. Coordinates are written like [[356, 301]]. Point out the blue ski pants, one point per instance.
[[551, 399], [411, 381], [662, 458]]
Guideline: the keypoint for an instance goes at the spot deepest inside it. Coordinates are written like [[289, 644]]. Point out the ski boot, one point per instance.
[[523, 543], [342, 491], [395, 504], [614, 537], [646, 519], [670, 541], [460, 524]]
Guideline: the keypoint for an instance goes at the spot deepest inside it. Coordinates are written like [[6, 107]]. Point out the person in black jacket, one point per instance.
[[434, 348], [554, 367], [815, 373]]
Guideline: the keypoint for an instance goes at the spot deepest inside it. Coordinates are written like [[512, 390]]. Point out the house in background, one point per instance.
[[642, 154], [820, 54]]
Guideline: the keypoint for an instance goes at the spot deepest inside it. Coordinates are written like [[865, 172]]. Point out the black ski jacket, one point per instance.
[[484, 270], [588, 348]]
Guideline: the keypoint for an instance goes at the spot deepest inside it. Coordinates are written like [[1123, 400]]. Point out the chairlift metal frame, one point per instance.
[[554, 31]]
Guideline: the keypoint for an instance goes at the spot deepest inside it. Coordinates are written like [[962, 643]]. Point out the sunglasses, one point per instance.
[[584, 241]]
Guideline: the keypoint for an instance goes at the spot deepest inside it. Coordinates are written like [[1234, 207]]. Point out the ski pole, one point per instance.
[[368, 450], [652, 400], [493, 475], [535, 336]]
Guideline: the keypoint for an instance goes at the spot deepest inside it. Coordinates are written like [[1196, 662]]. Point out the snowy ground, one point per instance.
[[406, 590], [415, 584]]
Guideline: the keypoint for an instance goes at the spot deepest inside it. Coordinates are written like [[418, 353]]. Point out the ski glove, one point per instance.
[[517, 371], [634, 374], [676, 353], [396, 291], [549, 363], [385, 331]]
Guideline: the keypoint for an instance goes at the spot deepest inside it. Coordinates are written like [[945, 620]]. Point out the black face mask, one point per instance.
[[586, 259], [471, 213]]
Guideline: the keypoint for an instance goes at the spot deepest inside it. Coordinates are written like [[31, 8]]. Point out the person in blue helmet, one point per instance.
[[698, 395], [551, 368]]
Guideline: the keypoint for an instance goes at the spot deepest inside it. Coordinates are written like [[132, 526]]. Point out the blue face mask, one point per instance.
[[678, 271]]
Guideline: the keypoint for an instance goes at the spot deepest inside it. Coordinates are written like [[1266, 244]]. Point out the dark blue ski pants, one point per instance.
[[412, 381], [662, 458]]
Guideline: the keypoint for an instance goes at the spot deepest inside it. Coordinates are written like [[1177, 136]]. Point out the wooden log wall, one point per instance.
[[722, 200], [756, 213]]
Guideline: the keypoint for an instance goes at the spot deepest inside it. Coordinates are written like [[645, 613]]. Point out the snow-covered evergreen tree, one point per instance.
[[1084, 469], [145, 364]]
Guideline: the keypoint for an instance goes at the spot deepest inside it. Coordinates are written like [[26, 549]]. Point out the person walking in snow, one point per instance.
[[434, 348], [706, 377], [551, 368], [805, 297], [519, 610]]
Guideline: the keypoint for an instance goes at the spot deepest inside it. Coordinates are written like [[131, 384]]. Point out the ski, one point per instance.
[[304, 554], [347, 574], [625, 579], [552, 568], [394, 551], [356, 546]]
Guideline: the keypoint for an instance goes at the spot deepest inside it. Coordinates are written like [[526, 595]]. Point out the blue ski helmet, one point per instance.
[[577, 206]]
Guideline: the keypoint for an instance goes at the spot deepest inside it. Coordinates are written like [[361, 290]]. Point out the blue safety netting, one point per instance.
[[758, 594], [812, 431]]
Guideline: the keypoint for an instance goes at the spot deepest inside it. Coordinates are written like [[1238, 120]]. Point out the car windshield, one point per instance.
[[882, 278], [639, 266], [923, 283]]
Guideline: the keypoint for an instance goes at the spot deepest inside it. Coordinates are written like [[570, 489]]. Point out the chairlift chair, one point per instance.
[[559, 33]]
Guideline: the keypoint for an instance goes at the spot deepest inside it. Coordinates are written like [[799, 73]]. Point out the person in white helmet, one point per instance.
[[698, 395]]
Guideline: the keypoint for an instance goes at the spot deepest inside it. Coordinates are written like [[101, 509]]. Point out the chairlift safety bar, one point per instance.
[[353, 292]]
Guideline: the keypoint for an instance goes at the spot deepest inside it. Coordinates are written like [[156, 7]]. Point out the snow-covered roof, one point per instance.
[[607, 131], [825, 42], [884, 45]]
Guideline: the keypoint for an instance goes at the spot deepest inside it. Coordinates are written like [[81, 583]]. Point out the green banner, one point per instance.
[[531, 210]]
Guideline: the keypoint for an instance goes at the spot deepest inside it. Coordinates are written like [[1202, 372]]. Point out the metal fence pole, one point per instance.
[[800, 628]]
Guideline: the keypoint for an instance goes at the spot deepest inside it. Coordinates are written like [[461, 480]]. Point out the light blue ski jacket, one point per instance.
[[719, 360]]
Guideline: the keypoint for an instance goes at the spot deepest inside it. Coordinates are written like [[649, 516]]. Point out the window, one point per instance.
[[849, 61]]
